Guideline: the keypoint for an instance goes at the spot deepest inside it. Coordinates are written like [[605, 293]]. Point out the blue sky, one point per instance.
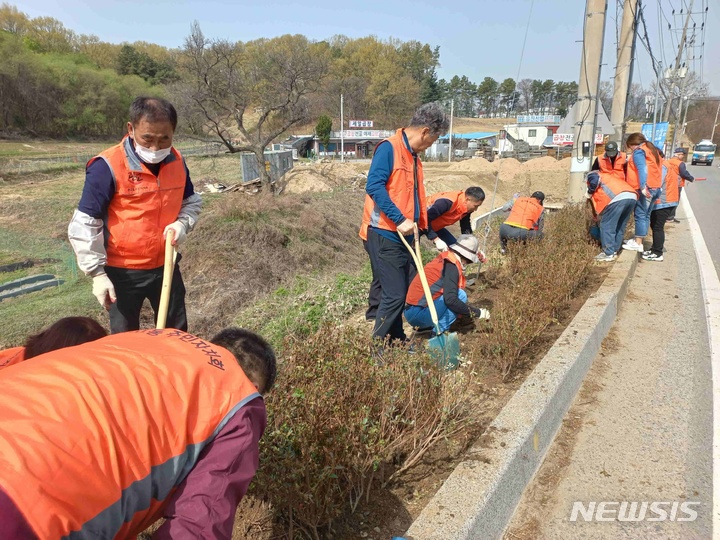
[[477, 38]]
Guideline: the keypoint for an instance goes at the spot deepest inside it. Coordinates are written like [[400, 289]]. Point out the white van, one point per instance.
[[704, 152]]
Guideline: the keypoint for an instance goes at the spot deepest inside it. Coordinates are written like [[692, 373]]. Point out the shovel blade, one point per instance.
[[445, 349]]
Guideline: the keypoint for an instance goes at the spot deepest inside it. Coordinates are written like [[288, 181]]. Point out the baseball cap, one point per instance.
[[611, 148], [680, 151]]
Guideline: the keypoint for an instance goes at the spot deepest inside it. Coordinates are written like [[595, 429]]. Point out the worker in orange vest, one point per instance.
[[614, 202], [135, 194], [449, 207], [525, 221], [394, 205], [645, 176], [446, 278], [663, 209], [612, 161], [66, 332], [678, 161], [103, 439]]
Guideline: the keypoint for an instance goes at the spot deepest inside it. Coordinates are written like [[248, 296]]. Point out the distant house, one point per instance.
[[358, 143], [566, 129], [532, 129], [439, 149]]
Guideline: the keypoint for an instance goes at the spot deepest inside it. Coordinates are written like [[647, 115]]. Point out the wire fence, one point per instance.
[[54, 162]]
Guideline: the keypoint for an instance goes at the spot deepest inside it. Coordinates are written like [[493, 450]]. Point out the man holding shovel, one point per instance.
[[135, 194], [395, 204]]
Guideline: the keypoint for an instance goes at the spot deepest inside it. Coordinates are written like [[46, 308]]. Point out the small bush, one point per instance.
[[339, 425]]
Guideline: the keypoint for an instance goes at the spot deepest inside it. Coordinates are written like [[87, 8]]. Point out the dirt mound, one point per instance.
[[322, 176]]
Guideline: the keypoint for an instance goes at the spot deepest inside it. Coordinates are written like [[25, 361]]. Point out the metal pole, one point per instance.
[[678, 117], [452, 113], [681, 45], [684, 117], [623, 69], [655, 107], [715, 123], [590, 66], [342, 128]]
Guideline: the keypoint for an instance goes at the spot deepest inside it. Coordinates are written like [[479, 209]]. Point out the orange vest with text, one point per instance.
[[9, 357], [94, 438], [525, 213], [617, 169], [433, 272], [654, 170], [457, 210], [609, 187], [401, 189], [142, 206]]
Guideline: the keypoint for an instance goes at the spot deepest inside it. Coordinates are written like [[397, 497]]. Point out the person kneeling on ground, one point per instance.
[[449, 207], [525, 221], [66, 332], [101, 440], [447, 283], [614, 202]]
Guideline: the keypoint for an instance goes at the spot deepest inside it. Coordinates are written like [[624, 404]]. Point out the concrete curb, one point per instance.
[[480, 496]]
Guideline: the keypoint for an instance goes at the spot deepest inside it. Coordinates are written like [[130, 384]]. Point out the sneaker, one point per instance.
[[647, 252], [674, 220], [632, 245], [602, 257], [652, 257]]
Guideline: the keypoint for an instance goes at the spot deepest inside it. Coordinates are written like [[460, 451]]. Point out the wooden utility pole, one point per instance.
[[588, 89], [623, 69], [681, 46]]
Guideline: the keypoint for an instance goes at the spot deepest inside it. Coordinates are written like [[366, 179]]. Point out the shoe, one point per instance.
[[652, 257], [602, 257], [632, 245], [674, 220], [503, 251], [648, 252]]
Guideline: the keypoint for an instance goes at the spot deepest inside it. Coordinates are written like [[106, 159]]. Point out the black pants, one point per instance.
[[657, 225], [132, 287], [375, 293], [393, 270]]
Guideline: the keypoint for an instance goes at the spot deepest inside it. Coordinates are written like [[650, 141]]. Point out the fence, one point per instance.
[[69, 160]]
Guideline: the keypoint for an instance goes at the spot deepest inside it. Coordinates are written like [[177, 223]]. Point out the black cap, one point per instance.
[[611, 148], [539, 195], [680, 151]]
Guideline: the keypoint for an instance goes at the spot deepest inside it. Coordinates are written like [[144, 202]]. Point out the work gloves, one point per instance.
[[104, 290], [178, 230], [440, 245]]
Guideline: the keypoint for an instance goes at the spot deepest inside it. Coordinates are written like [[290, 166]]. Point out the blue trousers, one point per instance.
[[642, 212], [419, 316], [613, 221]]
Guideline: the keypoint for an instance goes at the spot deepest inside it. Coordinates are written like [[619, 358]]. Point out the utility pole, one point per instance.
[[588, 89], [681, 46], [623, 69], [715, 123], [657, 95], [342, 128], [452, 113]]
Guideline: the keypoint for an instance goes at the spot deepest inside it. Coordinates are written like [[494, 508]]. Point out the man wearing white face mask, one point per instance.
[[135, 193]]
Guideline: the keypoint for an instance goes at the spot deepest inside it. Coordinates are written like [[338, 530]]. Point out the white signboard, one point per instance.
[[539, 119], [360, 123], [567, 138], [358, 133]]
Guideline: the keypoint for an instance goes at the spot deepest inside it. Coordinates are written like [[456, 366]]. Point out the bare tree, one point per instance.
[[248, 94]]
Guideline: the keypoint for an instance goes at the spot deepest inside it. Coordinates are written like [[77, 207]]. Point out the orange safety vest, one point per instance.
[[610, 186], [94, 438], [457, 210], [9, 357], [654, 171], [670, 188], [675, 164], [433, 272], [143, 205], [525, 213], [617, 169], [400, 187]]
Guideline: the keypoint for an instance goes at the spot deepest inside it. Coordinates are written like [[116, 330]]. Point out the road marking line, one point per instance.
[[711, 296]]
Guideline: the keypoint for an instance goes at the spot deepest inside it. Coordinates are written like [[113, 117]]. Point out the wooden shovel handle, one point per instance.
[[170, 255], [423, 278]]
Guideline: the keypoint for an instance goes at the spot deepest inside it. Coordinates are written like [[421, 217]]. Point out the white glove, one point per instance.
[[178, 230], [440, 245], [104, 290]]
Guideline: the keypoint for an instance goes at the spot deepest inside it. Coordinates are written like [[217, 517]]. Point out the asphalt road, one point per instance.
[[640, 430]]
